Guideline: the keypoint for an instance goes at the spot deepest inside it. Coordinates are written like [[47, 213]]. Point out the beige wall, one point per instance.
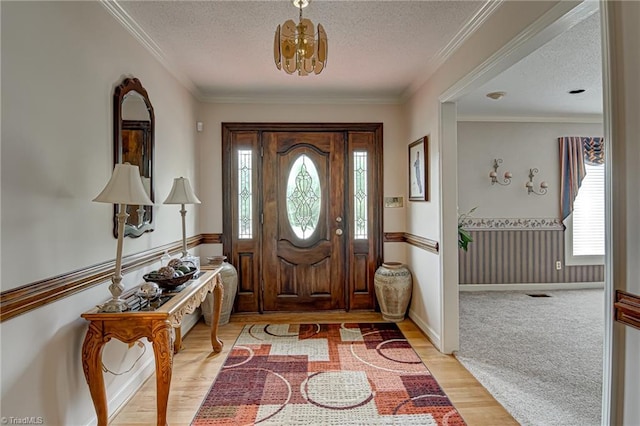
[[521, 146], [434, 306], [210, 140], [60, 64]]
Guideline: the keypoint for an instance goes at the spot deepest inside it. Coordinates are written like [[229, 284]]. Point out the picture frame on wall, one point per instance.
[[418, 170]]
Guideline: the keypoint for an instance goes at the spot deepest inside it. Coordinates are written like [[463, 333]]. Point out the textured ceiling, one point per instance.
[[376, 48], [378, 52], [538, 85]]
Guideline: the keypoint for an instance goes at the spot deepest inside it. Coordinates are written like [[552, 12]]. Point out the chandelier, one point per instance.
[[297, 48]]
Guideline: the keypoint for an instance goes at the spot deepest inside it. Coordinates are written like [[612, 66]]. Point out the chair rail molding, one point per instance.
[[31, 296]]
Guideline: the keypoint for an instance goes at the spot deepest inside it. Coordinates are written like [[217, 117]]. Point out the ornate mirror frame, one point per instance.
[[133, 142]]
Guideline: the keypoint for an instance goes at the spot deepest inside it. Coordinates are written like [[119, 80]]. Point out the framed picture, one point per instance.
[[418, 170]]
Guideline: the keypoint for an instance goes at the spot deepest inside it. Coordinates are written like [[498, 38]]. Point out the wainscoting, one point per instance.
[[508, 256]]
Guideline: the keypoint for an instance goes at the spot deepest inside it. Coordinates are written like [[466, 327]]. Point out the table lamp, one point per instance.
[[181, 193], [125, 187]]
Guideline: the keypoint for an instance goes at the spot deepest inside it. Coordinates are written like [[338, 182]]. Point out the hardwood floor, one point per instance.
[[195, 368]]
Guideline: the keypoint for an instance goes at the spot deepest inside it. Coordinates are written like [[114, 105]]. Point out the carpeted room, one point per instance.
[[543, 365]]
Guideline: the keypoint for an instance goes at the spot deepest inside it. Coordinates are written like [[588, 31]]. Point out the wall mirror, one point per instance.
[[133, 124]]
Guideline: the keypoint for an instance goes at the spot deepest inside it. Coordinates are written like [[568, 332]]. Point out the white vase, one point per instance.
[[229, 277], [393, 284]]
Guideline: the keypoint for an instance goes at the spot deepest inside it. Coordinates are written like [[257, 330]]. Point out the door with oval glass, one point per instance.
[[303, 229]]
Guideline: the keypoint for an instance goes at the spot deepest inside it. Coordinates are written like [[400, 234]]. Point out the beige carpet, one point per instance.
[[541, 357]]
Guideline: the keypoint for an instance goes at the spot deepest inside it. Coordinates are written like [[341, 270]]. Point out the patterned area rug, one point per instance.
[[325, 374]]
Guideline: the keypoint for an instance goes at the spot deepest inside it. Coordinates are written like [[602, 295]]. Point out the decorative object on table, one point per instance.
[[419, 170], [393, 285], [329, 374], [149, 291], [176, 273], [464, 236], [165, 258], [229, 277], [124, 188], [494, 174], [296, 48], [529, 184]]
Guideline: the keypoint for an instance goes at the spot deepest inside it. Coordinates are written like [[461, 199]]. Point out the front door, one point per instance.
[[303, 216], [303, 242]]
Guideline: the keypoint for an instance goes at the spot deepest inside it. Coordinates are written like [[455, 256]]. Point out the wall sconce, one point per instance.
[[494, 174], [529, 185]]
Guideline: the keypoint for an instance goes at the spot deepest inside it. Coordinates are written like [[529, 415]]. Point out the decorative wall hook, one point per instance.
[[529, 185], [494, 174]]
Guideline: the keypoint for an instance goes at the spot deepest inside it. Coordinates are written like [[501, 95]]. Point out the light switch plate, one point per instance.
[[393, 202]]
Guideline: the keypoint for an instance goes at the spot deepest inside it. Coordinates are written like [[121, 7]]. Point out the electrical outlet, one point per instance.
[[558, 265]]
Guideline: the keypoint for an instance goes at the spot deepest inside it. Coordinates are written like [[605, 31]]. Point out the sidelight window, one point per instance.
[[245, 195], [360, 194]]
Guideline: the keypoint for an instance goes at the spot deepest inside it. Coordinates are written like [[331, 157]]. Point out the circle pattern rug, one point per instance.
[[325, 374]]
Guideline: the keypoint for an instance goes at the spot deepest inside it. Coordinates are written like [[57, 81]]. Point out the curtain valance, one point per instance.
[[575, 152]]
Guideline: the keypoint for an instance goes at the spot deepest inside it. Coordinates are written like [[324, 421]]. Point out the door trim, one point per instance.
[[250, 286]]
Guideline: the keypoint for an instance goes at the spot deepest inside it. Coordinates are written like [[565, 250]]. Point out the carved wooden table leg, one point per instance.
[[163, 352], [218, 292], [92, 366], [177, 343]]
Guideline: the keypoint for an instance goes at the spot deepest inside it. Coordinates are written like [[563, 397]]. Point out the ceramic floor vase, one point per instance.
[[229, 277], [393, 284]]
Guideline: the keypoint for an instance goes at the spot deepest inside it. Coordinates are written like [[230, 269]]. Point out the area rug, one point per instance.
[[325, 374]]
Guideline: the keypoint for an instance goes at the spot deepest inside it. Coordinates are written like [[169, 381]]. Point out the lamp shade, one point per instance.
[[124, 187], [181, 193]]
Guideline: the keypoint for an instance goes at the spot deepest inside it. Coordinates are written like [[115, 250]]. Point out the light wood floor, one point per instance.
[[195, 368]]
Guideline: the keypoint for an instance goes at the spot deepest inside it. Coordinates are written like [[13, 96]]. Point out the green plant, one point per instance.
[[464, 236]]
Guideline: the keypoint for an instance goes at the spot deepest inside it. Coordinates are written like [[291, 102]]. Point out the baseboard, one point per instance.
[[530, 286], [133, 385], [422, 325]]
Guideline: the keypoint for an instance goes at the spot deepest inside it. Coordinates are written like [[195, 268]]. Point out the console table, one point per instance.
[[156, 325]]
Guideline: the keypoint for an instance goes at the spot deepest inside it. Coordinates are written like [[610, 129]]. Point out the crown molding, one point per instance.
[[148, 43], [467, 30], [554, 22], [310, 99], [586, 118]]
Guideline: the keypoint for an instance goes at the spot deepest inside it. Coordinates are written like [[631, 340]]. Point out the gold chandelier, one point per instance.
[[296, 48]]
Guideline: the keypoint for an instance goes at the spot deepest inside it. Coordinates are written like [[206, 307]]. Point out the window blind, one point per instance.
[[588, 214]]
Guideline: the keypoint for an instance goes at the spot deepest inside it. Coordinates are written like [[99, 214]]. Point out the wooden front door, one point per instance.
[[302, 233], [302, 209]]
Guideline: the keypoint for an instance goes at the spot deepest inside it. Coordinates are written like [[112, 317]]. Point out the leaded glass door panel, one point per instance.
[[303, 229]]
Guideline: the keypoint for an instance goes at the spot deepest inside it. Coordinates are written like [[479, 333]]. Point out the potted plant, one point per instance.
[[464, 236]]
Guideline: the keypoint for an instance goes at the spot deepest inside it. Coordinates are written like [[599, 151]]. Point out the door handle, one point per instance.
[[338, 219], [338, 231]]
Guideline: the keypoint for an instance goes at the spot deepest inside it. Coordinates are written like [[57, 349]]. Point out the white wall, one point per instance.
[[521, 146], [60, 64], [210, 142], [624, 42]]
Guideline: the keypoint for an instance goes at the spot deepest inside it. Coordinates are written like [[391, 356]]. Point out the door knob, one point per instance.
[[338, 231], [338, 219]]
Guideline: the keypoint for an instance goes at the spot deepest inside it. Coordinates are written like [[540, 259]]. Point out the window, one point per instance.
[[245, 195], [360, 193], [585, 226], [304, 197]]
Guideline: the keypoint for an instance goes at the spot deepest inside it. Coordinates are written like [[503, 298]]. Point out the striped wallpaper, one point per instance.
[[520, 256]]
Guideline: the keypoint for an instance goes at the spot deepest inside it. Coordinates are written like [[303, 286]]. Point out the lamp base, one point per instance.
[[114, 305]]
